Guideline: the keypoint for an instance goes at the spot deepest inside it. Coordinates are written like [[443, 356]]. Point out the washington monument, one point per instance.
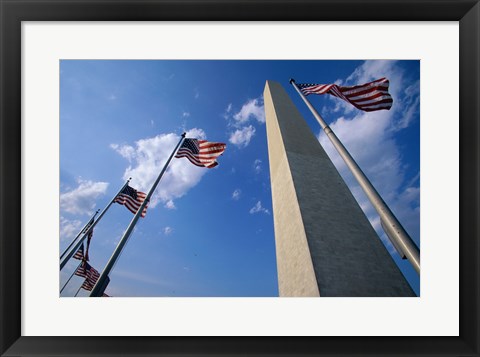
[[325, 245]]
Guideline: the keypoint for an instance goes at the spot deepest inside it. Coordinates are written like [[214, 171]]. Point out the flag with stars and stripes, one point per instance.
[[90, 274], [368, 97], [81, 271], [201, 152], [132, 199], [79, 253]]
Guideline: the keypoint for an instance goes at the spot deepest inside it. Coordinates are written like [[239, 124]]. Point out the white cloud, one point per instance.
[[411, 101], [242, 137], [253, 109], [236, 194], [148, 157], [227, 112], [128, 152], [170, 204], [196, 93], [167, 230], [81, 200], [258, 208], [69, 229], [257, 166], [185, 114]]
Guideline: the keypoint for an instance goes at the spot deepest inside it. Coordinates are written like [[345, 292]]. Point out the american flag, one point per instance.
[[87, 286], [87, 271], [90, 274], [201, 152], [79, 254], [368, 97], [132, 199], [81, 271]]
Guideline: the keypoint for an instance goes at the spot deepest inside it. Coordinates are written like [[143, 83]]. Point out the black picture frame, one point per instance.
[[13, 12]]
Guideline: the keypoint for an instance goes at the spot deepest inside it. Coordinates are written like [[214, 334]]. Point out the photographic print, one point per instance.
[[239, 178]]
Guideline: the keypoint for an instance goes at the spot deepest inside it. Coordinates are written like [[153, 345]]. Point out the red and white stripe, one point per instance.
[[79, 253], [367, 97], [91, 278]]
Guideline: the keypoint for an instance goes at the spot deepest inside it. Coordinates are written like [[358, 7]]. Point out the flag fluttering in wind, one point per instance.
[[132, 199], [368, 97], [79, 253], [90, 274], [201, 152]]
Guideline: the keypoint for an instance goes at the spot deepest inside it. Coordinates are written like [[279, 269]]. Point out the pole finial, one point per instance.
[[184, 134], [292, 80]]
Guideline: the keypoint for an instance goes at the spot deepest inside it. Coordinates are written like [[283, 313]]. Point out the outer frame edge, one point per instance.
[[10, 336]]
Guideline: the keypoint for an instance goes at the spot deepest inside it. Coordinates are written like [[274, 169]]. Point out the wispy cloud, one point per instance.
[[170, 204], [185, 114], [228, 110], [81, 200], [252, 110], [69, 228], [241, 137], [148, 156], [236, 194], [167, 231], [259, 209], [142, 278], [257, 166]]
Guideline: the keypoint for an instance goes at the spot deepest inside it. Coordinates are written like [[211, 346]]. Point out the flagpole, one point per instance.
[[99, 286], [78, 235], [394, 229], [70, 254], [71, 276]]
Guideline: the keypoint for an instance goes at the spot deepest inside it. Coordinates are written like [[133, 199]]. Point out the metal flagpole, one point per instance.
[[71, 276], [394, 230], [70, 254], [78, 235], [100, 285]]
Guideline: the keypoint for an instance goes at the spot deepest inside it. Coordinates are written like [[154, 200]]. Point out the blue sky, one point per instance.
[[209, 232]]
